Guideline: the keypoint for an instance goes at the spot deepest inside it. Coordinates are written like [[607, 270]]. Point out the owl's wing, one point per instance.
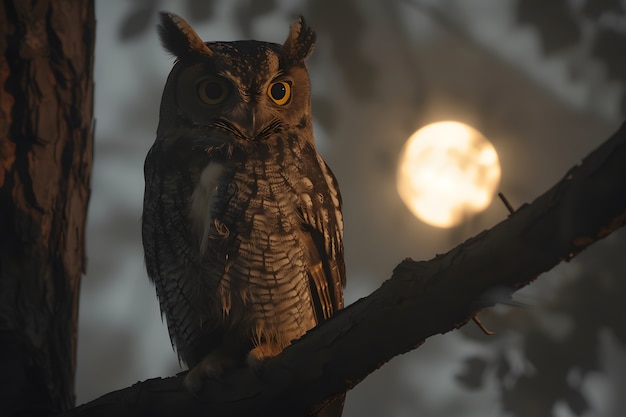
[[324, 226], [169, 256]]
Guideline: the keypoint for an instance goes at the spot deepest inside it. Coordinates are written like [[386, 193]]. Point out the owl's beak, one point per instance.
[[252, 123], [248, 124]]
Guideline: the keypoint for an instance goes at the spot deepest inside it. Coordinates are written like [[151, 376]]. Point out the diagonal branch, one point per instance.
[[420, 300]]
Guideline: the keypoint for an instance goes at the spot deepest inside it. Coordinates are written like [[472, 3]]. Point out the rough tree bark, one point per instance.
[[420, 300], [46, 146]]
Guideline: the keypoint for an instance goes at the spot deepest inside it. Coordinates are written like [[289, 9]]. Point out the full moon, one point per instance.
[[448, 171]]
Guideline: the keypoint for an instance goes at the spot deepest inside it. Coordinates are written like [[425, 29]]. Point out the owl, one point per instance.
[[242, 226]]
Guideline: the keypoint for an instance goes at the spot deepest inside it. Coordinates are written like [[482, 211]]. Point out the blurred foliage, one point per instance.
[[556, 364], [249, 10], [344, 23], [200, 11], [138, 20], [562, 23], [554, 20]]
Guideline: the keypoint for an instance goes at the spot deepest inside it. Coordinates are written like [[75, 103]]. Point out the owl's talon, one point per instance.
[[210, 367], [254, 361], [258, 354], [193, 381]]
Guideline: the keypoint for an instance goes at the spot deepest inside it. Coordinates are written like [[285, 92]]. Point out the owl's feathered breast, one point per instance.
[[254, 232], [253, 259]]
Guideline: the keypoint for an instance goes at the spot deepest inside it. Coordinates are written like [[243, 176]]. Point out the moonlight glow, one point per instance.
[[448, 171]]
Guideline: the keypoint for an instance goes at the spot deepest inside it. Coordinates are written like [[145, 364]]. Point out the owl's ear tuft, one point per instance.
[[300, 42], [179, 38]]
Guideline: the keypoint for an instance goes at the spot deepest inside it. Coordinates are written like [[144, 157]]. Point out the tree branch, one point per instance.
[[420, 300]]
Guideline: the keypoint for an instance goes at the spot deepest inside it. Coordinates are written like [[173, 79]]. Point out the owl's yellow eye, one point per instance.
[[213, 90], [279, 92]]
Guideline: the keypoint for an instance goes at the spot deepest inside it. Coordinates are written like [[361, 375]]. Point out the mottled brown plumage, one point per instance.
[[242, 225]]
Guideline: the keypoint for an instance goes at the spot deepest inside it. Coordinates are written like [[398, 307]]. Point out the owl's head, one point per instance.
[[241, 91]]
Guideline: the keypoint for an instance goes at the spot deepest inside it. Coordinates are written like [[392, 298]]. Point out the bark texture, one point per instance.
[[420, 300], [46, 146]]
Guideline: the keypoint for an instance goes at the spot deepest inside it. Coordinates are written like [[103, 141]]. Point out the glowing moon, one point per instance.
[[448, 171]]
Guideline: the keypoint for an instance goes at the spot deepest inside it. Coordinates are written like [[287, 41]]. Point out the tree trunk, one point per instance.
[[46, 146]]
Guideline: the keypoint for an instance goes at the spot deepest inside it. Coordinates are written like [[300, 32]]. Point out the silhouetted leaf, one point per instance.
[[554, 20], [610, 48], [473, 376], [248, 10], [595, 8], [343, 21], [576, 401], [138, 20], [200, 10], [503, 368]]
